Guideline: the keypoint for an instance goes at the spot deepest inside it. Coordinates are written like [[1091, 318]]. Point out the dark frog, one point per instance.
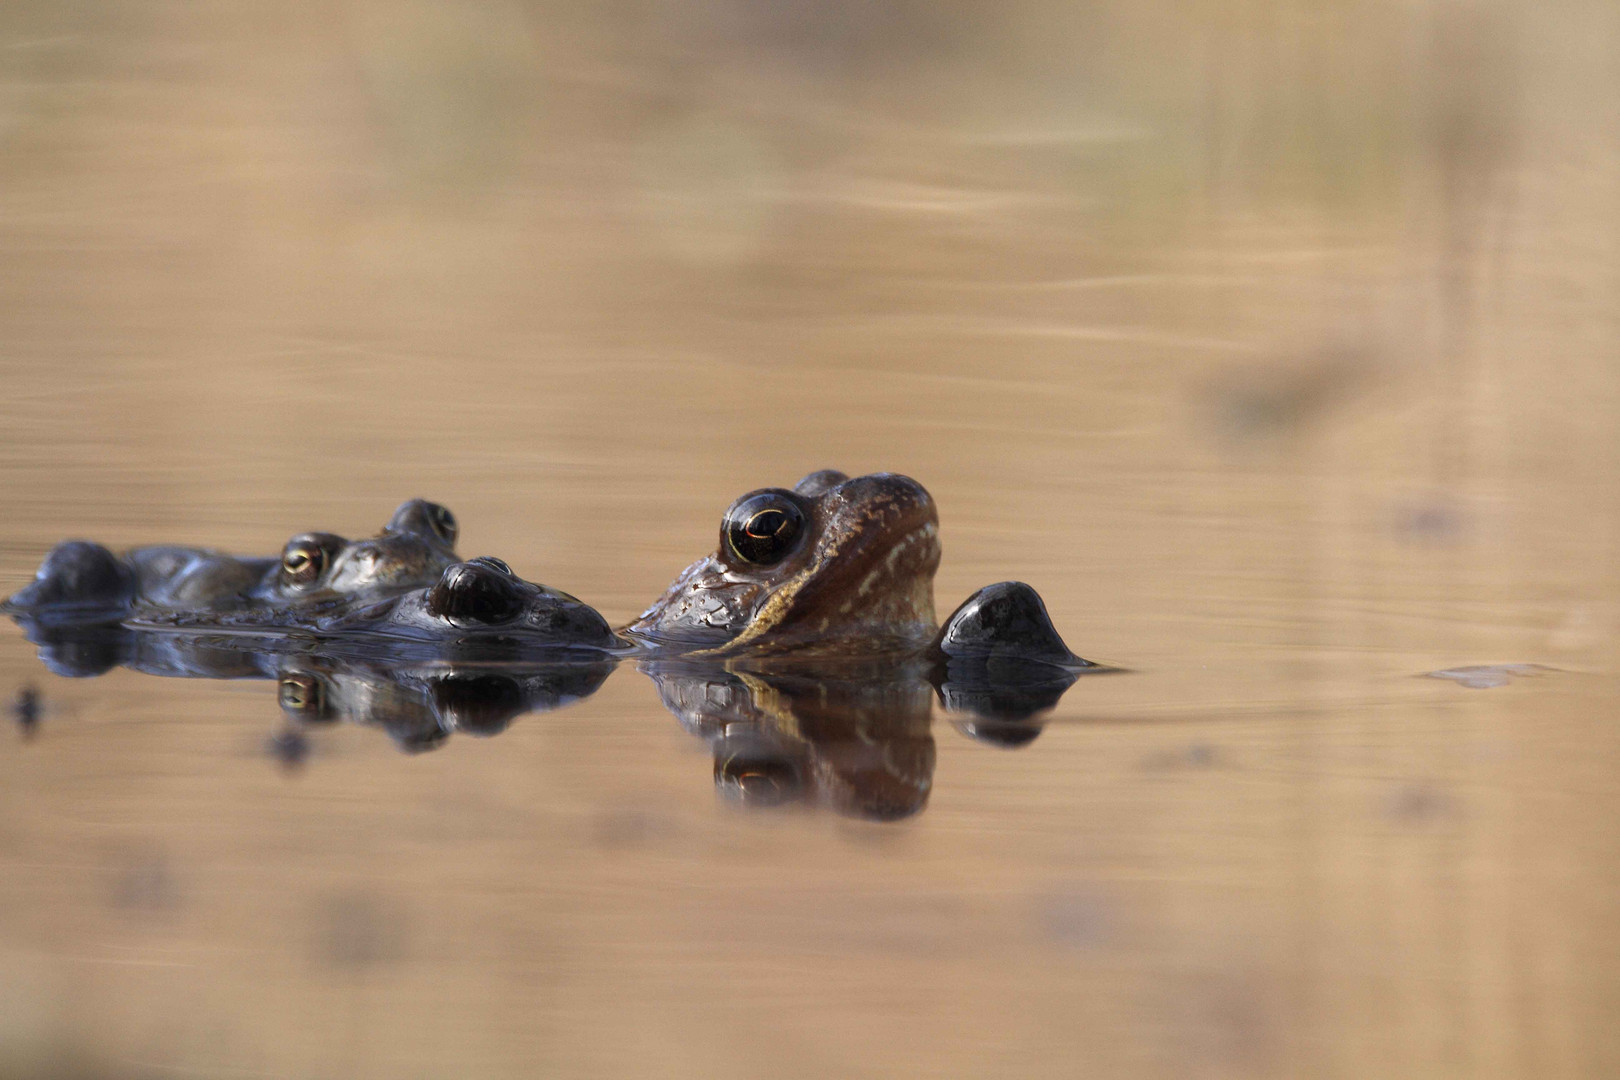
[[479, 607], [414, 547], [80, 581]]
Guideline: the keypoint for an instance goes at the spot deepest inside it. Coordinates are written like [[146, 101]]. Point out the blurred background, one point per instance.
[[1273, 341]]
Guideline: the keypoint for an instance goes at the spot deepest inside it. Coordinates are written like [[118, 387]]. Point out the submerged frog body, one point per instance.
[[81, 581], [481, 607], [835, 567]]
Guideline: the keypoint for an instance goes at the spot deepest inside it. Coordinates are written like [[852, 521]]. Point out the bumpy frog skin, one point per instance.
[[836, 564], [413, 548], [166, 584], [842, 567], [479, 606], [834, 567]]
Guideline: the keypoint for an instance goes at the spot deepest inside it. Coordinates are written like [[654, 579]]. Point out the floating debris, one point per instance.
[[1488, 676]]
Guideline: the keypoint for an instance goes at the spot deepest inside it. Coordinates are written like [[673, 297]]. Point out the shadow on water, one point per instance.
[[852, 735]]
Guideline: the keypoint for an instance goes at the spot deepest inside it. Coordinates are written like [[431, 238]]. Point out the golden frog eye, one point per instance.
[[305, 558], [764, 527], [443, 523]]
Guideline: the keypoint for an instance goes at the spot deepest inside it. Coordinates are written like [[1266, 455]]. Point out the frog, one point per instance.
[[833, 564], [478, 607], [80, 581], [838, 565]]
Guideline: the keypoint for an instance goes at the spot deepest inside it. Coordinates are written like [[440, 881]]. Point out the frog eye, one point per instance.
[[764, 527], [443, 523], [301, 694], [493, 563], [305, 558]]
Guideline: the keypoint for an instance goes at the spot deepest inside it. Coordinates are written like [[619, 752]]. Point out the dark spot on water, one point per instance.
[[1073, 917], [25, 708], [289, 747], [140, 881], [1223, 1022], [1418, 804], [624, 828], [1282, 398], [1198, 755], [1433, 520], [357, 932]]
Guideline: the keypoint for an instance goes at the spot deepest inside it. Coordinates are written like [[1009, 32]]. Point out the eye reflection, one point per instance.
[[302, 695], [756, 776]]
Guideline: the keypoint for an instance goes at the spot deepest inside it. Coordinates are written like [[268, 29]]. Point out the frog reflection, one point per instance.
[[856, 739], [419, 701], [852, 736], [422, 706]]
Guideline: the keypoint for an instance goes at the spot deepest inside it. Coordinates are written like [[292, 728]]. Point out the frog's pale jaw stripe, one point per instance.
[[776, 609]]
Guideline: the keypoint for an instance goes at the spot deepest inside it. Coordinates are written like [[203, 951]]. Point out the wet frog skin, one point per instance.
[[835, 564], [80, 581], [834, 567], [840, 566], [402, 589], [479, 608], [476, 610]]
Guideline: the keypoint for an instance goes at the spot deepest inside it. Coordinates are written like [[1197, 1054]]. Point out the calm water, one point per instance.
[[1277, 352]]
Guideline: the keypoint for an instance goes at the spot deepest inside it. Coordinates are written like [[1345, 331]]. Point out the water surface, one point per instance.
[[1286, 380]]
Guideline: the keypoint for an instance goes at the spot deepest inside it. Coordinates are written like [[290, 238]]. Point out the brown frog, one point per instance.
[[833, 565], [841, 567]]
